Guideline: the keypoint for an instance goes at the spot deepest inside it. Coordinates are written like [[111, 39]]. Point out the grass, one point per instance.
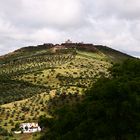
[[35, 107], [80, 67], [99, 56]]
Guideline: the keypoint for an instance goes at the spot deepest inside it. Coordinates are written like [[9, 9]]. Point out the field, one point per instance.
[[76, 73]]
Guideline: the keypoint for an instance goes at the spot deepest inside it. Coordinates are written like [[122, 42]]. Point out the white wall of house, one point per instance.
[[30, 127]]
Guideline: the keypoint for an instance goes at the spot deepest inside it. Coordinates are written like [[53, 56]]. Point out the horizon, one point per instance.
[[36, 45]]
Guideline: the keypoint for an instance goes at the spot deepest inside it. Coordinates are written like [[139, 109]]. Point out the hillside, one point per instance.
[[109, 110], [36, 74], [68, 67]]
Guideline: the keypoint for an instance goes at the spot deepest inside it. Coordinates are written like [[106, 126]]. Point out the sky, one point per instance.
[[114, 23]]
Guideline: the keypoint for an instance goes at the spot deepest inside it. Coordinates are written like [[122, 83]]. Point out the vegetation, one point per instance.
[[36, 72], [109, 111], [36, 81], [13, 90]]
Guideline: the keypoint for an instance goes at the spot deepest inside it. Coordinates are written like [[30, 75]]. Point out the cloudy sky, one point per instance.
[[115, 23]]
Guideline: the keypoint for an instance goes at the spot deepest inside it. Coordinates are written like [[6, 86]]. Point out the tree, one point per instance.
[[110, 110], [3, 132], [45, 122]]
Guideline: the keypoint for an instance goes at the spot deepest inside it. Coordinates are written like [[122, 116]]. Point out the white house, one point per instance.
[[30, 127]]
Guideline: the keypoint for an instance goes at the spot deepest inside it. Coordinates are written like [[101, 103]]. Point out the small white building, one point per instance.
[[30, 127]]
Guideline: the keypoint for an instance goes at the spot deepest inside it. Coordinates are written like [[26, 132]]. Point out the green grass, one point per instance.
[[99, 56], [81, 70]]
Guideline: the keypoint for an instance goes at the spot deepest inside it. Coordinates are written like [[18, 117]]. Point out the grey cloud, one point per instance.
[[127, 9], [41, 13], [115, 23]]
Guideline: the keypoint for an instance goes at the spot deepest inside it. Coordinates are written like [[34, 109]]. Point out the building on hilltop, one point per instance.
[[68, 41]]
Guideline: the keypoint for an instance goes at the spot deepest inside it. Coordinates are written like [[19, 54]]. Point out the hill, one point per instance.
[[66, 67], [37, 74]]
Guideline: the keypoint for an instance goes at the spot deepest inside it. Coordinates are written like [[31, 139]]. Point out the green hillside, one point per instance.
[[31, 76], [110, 109], [66, 67]]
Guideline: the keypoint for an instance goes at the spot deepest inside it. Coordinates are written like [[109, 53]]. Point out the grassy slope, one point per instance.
[[113, 55], [81, 70], [72, 75]]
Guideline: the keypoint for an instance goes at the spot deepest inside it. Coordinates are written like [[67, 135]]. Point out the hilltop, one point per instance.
[[30, 50]]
